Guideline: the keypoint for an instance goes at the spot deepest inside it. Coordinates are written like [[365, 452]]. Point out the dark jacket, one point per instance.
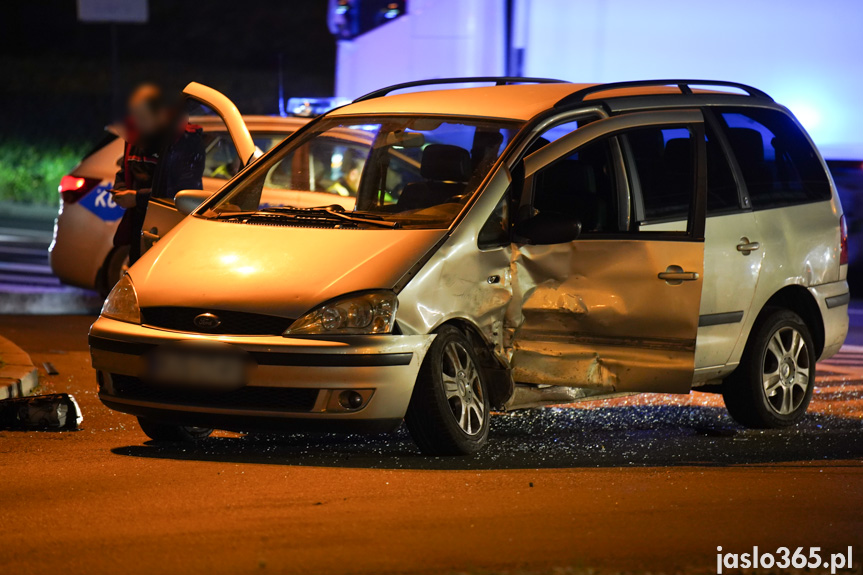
[[183, 165], [137, 169], [180, 167]]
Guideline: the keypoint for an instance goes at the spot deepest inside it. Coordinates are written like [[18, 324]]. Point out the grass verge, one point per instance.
[[30, 173]]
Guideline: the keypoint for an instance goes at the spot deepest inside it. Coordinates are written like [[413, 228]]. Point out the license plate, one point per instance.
[[216, 367]]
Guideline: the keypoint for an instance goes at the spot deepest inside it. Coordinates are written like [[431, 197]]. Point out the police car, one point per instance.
[[82, 252]]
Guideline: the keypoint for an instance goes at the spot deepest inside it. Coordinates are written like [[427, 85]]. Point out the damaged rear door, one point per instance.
[[617, 308]]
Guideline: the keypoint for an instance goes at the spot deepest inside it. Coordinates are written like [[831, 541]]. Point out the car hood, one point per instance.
[[282, 271]]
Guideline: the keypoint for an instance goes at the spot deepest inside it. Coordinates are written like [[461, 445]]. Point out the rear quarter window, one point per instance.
[[779, 165]]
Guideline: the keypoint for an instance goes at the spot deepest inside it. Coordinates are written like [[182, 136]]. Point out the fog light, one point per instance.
[[350, 399]]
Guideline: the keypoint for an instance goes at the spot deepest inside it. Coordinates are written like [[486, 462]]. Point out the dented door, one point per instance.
[[617, 309]]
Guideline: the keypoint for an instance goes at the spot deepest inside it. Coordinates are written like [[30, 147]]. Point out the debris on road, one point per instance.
[[49, 368], [53, 412]]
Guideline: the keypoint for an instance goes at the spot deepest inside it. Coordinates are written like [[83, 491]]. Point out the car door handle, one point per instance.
[[745, 246], [678, 276], [150, 236], [674, 275]]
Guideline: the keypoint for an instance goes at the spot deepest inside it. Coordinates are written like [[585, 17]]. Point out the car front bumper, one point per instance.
[[294, 384]]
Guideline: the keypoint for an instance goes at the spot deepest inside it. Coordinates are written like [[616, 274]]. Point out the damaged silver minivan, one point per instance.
[[528, 243]]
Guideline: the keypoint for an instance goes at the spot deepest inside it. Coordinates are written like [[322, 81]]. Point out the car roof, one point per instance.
[[513, 102], [516, 102], [253, 123]]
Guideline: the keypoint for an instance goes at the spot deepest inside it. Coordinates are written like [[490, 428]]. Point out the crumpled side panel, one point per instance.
[[594, 314], [462, 282]]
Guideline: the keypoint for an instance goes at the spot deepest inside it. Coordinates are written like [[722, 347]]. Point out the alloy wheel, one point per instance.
[[463, 388], [786, 376]]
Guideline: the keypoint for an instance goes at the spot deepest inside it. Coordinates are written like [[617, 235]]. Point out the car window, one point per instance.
[[664, 162], [581, 185], [779, 165], [222, 161], [556, 132], [722, 194], [415, 171], [327, 165]]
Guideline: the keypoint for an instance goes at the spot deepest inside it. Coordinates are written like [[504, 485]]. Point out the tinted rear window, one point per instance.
[[779, 165], [664, 160], [722, 194]]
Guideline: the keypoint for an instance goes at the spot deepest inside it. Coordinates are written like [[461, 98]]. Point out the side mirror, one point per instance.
[[549, 228], [188, 201]]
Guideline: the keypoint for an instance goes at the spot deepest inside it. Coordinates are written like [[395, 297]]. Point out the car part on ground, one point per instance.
[[53, 412]]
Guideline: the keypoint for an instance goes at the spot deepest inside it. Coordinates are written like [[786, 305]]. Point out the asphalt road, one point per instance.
[[645, 484]]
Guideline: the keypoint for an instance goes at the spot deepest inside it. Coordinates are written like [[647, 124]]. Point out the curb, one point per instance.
[[18, 375]]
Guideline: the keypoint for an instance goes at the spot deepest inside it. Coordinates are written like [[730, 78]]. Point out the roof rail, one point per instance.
[[685, 87], [496, 80]]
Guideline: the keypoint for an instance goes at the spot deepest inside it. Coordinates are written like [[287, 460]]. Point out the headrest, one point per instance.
[[444, 163], [678, 154], [564, 183], [747, 143], [574, 177]]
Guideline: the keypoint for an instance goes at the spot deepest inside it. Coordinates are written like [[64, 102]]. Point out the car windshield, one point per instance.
[[395, 172], [221, 159]]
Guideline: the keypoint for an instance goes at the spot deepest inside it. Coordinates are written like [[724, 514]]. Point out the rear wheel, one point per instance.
[[773, 384], [449, 410], [114, 268], [159, 431]]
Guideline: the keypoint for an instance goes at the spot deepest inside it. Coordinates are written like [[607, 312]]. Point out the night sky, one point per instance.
[[57, 71]]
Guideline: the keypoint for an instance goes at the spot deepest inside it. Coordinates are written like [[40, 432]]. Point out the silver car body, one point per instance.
[[590, 318]]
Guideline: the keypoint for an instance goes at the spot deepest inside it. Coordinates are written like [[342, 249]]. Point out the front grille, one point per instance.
[[232, 322], [274, 398]]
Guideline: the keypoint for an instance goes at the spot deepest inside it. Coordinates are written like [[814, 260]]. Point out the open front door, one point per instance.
[[161, 213], [616, 309]]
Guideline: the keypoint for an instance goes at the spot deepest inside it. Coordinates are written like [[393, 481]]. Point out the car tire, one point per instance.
[[159, 431], [773, 384], [113, 269], [449, 410]]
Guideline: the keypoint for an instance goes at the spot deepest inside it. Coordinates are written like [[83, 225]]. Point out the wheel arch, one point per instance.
[[798, 299], [497, 375], [102, 281]]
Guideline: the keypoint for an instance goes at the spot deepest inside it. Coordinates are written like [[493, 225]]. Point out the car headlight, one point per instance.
[[122, 302], [367, 313]]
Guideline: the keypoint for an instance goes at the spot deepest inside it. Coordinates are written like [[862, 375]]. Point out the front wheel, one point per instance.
[[773, 384], [159, 431], [449, 410]]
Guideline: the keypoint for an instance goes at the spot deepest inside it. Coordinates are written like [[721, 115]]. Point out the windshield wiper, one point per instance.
[[335, 212], [227, 215]]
